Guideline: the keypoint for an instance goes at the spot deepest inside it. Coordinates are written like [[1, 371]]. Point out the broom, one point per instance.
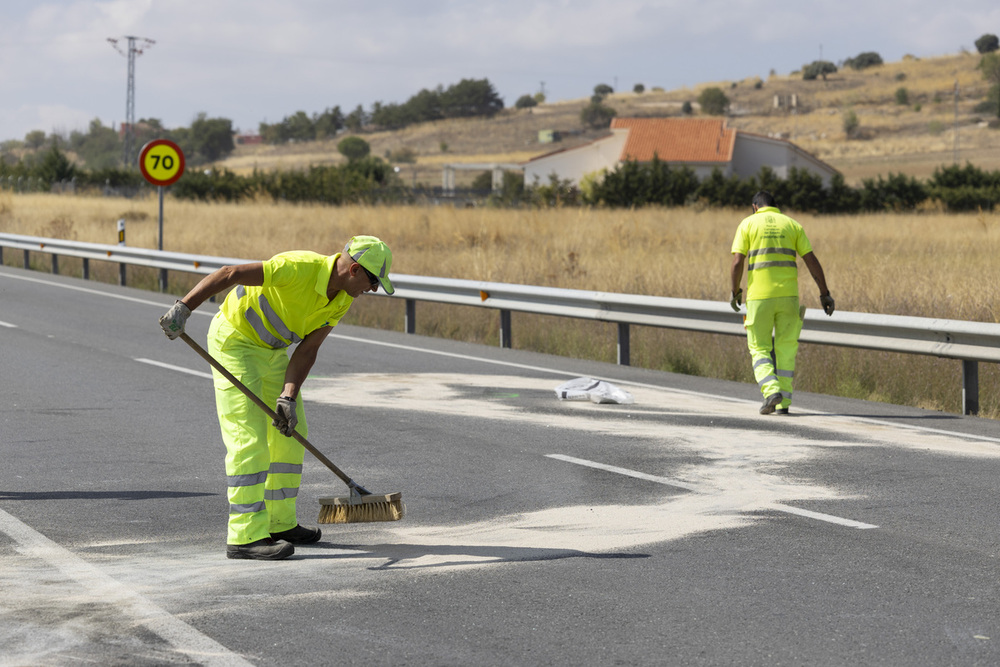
[[362, 506]]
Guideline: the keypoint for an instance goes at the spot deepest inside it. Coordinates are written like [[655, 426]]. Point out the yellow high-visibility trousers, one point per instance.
[[263, 467], [774, 324]]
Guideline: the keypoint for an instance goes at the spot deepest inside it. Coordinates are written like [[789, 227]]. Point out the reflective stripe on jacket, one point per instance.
[[771, 241], [292, 302]]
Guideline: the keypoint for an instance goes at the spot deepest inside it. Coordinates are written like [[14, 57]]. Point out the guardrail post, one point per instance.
[[624, 348], [27, 264], [505, 328], [55, 264], [121, 274], [410, 319], [86, 268], [163, 280], [970, 387]]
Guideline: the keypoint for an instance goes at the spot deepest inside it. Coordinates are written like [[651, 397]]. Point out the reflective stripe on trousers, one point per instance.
[[774, 324], [263, 467]]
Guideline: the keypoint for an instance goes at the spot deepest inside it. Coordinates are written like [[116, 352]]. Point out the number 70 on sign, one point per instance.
[[161, 162]]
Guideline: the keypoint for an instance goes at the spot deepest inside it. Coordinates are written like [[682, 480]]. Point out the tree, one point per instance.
[[863, 60], [987, 43], [328, 123], [34, 139], [99, 148], [356, 120], [602, 90], [990, 66], [713, 101], [353, 148], [55, 167], [525, 102], [212, 138], [469, 98], [638, 88], [597, 115], [818, 68]]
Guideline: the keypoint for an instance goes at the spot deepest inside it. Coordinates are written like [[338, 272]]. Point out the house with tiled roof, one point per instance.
[[702, 144]]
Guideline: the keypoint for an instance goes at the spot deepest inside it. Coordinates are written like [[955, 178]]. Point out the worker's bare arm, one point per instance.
[[816, 270], [222, 279]]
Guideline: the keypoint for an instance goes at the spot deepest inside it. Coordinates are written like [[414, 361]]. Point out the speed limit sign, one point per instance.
[[161, 162]]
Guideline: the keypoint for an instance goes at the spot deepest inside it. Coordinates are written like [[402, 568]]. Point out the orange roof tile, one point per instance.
[[676, 139]]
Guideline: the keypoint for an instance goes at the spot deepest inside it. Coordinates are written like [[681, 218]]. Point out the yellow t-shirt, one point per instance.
[[770, 241], [292, 302]]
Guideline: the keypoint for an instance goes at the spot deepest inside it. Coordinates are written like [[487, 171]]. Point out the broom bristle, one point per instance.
[[362, 509]]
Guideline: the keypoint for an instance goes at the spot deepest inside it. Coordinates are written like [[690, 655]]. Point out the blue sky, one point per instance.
[[262, 60]]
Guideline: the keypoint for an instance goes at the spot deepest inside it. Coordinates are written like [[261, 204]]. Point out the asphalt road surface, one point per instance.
[[681, 529]]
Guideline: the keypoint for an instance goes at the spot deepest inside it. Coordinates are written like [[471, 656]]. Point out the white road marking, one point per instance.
[[8, 325], [690, 487], [850, 523], [179, 369], [179, 635], [666, 481]]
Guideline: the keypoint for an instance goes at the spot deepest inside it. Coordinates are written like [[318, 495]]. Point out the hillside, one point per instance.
[[912, 138]]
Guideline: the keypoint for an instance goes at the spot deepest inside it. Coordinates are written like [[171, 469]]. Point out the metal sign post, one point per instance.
[[162, 163]]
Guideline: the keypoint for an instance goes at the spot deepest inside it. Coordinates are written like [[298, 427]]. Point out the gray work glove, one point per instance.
[[287, 419], [737, 299], [827, 301], [173, 321]]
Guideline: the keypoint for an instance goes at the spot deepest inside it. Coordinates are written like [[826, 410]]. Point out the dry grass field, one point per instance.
[[929, 265]]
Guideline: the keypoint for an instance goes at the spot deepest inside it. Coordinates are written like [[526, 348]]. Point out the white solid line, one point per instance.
[[8, 325], [179, 635], [690, 487], [179, 369]]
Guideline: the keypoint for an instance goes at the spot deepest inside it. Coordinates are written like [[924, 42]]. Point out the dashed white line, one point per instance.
[[179, 369]]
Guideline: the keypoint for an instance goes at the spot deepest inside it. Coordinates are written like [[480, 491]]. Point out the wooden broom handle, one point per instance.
[[270, 413]]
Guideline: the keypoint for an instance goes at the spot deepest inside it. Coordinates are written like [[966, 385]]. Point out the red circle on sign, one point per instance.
[[161, 162]]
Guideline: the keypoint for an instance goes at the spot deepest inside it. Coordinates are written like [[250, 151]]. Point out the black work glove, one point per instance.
[[827, 302], [737, 299], [287, 419]]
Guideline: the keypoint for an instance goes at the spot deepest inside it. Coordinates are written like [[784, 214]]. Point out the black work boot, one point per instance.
[[265, 549], [299, 535], [770, 403]]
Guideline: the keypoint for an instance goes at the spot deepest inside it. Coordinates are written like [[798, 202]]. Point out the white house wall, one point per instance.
[[751, 152], [573, 164]]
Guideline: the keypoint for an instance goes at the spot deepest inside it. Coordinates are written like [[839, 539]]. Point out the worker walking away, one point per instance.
[[768, 243], [293, 299]]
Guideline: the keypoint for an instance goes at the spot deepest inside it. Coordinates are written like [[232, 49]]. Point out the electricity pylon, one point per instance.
[[131, 52]]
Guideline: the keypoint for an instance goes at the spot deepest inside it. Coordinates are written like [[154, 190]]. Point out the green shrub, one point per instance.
[[818, 68], [863, 60], [713, 101]]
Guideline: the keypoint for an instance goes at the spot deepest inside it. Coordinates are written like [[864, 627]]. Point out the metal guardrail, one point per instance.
[[969, 342]]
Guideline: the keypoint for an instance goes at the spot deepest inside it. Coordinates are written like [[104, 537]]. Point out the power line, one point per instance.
[[130, 52]]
